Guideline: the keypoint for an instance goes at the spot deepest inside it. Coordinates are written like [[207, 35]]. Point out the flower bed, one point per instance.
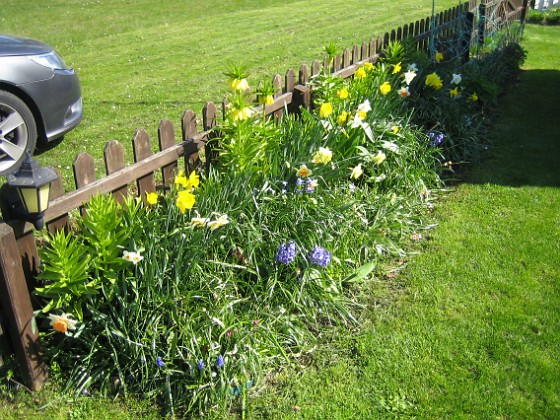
[[192, 298]]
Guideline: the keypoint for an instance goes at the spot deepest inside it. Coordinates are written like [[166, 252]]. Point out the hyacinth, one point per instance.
[[311, 184], [62, 323], [324, 155], [200, 365], [220, 361], [436, 138], [385, 88], [325, 110], [160, 362], [286, 253], [433, 80], [320, 256]]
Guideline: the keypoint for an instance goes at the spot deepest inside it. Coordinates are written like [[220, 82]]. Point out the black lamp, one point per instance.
[[33, 184]]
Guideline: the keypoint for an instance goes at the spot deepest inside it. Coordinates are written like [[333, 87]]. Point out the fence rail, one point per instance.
[[18, 249]]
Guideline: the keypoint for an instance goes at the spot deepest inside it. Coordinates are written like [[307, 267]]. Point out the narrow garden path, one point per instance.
[[475, 330]]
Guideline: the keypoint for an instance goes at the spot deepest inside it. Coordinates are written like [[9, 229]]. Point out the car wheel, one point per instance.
[[18, 132]]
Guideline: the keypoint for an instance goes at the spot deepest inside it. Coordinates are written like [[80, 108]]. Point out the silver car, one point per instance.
[[40, 98]]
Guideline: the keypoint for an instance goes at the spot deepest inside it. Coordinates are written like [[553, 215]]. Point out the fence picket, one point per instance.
[[84, 172], [114, 160], [142, 150], [57, 190], [166, 138]]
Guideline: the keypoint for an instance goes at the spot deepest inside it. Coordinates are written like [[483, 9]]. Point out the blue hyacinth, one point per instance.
[[286, 253], [320, 256], [160, 362], [220, 361], [436, 138]]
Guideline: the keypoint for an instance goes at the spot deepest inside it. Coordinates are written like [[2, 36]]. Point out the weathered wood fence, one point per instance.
[[19, 261]]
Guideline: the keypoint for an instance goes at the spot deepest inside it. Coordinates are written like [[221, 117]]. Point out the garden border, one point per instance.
[[18, 247]]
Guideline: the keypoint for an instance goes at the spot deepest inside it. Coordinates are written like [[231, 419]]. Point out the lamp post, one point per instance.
[[32, 183]]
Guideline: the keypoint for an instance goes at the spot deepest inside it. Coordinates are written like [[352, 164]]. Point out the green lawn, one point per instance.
[[142, 60], [473, 332]]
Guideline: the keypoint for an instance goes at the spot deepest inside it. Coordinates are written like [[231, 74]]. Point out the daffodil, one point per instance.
[[185, 200], [456, 79], [439, 57], [454, 92], [434, 81], [219, 222], [365, 106], [357, 172], [342, 93], [385, 88], [409, 76], [62, 323], [368, 67], [397, 68], [379, 158], [395, 129], [342, 118], [324, 155], [473, 97], [304, 171], [133, 257], [180, 180], [199, 221], [404, 92], [360, 73], [152, 198], [325, 110], [193, 181], [412, 67]]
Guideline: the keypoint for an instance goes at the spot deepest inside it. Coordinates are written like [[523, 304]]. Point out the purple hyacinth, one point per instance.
[[435, 138], [220, 361], [310, 185], [200, 365], [286, 253], [160, 362], [320, 256]]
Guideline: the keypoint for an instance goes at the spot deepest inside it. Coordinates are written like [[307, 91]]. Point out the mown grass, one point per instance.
[[472, 330], [141, 61]]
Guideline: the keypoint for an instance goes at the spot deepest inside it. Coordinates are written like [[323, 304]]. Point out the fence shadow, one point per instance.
[[525, 138]]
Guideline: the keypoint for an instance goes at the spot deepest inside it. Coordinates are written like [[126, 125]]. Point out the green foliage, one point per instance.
[[547, 17]]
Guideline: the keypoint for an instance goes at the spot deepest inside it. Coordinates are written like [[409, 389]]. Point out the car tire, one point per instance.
[[18, 132]]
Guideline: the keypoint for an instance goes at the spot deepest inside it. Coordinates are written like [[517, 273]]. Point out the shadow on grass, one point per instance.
[[525, 135]]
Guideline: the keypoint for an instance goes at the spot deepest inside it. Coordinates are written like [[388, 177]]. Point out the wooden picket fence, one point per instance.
[[19, 261]]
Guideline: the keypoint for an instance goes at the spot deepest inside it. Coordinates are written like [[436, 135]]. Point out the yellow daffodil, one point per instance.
[[239, 85], [343, 118], [304, 171], [62, 323], [325, 110], [152, 198], [454, 92], [357, 172], [133, 257], [193, 181], [473, 97], [324, 155], [185, 200], [385, 88], [219, 222], [360, 73], [180, 180], [379, 158], [342, 93], [368, 67], [397, 68], [439, 57], [434, 81], [404, 92], [395, 129]]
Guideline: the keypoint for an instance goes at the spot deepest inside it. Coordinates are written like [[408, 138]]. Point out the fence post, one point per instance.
[[16, 304], [481, 23]]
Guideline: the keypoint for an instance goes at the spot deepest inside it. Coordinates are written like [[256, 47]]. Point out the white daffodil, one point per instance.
[[62, 323]]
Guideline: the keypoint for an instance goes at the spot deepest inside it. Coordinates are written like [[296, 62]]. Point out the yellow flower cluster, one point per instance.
[[325, 110], [434, 81], [185, 197]]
